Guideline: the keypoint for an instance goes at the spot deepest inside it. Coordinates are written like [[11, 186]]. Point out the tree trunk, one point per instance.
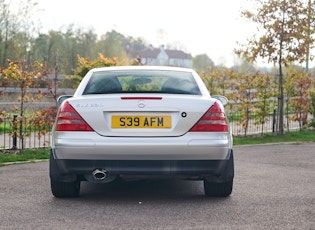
[[281, 96], [308, 34], [281, 100]]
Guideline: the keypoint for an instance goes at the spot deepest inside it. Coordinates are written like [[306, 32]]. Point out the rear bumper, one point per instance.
[[71, 170], [91, 146]]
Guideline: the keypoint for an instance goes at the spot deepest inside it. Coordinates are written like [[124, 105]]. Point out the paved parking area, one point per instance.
[[274, 189]]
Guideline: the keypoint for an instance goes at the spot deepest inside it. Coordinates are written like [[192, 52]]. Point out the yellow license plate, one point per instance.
[[141, 122]]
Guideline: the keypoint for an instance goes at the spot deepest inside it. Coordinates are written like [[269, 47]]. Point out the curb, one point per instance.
[[24, 162]]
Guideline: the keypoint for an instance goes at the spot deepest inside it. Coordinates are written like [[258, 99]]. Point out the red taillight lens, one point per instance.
[[214, 120], [69, 120]]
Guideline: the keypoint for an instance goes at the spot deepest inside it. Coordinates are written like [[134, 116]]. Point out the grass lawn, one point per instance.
[[296, 136], [30, 155], [21, 156]]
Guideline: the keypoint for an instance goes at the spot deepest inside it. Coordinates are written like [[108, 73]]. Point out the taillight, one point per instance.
[[214, 120], [68, 119]]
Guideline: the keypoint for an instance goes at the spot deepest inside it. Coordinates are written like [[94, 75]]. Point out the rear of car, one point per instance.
[[141, 122]]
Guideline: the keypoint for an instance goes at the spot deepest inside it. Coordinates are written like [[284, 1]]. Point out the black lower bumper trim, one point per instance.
[[181, 168]]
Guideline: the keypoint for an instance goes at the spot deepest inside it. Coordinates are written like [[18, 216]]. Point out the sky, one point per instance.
[[200, 26]]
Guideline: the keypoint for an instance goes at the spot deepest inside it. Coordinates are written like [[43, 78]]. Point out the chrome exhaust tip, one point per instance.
[[99, 174]]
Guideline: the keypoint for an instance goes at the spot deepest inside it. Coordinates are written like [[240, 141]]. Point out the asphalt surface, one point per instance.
[[274, 188]]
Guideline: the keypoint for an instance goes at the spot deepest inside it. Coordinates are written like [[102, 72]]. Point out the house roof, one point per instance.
[[178, 54], [149, 53], [154, 52]]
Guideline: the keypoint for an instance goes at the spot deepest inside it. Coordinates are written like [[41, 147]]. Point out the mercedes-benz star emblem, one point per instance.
[[141, 104]]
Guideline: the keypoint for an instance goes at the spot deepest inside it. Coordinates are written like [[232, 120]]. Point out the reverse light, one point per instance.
[[214, 120], [68, 119]]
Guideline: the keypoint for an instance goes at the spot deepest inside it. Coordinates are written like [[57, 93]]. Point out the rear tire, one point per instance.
[[218, 189], [65, 189], [222, 186]]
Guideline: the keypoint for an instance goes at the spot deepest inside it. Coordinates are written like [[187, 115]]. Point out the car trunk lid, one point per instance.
[[141, 115]]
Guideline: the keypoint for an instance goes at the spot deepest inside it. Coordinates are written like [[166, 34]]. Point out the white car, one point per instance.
[[141, 121]]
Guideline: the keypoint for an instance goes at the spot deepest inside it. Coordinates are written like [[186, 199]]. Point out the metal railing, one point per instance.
[[12, 137], [254, 128], [30, 138]]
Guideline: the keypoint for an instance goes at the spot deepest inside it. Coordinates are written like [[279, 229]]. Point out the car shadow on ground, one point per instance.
[[143, 190]]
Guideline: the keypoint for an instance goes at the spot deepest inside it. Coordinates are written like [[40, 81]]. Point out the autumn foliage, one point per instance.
[[253, 95], [24, 76]]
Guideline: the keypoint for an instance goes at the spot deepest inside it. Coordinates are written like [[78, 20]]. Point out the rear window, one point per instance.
[[146, 81]]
